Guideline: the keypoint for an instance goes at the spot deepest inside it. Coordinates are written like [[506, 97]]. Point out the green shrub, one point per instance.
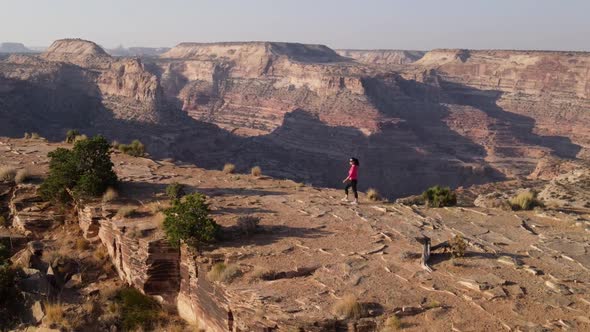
[[136, 309], [4, 222], [438, 197], [175, 190], [71, 135], [135, 149], [10, 300], [525, 200], [188, 220], [85, 171]]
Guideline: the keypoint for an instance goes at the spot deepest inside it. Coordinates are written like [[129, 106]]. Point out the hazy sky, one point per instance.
[[410, 24]]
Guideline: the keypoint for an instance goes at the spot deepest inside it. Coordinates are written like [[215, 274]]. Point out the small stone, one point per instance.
[[507, 260], [558, 288], [37, 312]]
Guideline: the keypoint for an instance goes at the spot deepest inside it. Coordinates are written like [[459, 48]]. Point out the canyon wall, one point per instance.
[[382, 57], [453, 117]]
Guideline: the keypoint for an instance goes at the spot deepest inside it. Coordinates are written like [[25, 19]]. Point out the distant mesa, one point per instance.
[[382, 57], [138, 51], [14, 48], [307, 53], [80, 52]]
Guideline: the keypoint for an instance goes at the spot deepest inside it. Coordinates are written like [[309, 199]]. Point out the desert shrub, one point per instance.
[[136, 309], [55, 314], [392, 323], [9, 295], [21, 176], [80, 138], [175, 190], [84, 171], [135, 149], [438, 196], [110, 195], [433, 304], [525, 200], [7, 173], [27, 136], [262, 273], [373, 195], [4, 222], [229, 168], [188, 220], [35, 136], [256, 171], [71, 135], [348, 307], [223, 273], [115, 144], [126, 211], [248, 224], [458, 246]]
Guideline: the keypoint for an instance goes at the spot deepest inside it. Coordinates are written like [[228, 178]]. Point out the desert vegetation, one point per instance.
[[175, 191], [71, 135], [525, 200], [84, 171], [256, 171], [188, 220], [373, 195], [22, 175], [229, 168], [458, 246], [110, 195], [392, 323], [222, 272], [348, 307], [248, 224], [438, 196], [7, 173], [135, 149]]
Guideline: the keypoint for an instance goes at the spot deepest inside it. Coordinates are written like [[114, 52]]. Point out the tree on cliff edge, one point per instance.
[[188, 220], [85, 171]]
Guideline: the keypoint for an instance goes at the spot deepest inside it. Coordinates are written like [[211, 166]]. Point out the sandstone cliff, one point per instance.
[[382, 57]]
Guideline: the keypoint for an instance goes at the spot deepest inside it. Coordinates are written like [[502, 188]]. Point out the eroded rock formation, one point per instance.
[[453, 117]]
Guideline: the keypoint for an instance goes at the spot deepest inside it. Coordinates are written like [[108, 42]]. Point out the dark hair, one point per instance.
[[354, 161]]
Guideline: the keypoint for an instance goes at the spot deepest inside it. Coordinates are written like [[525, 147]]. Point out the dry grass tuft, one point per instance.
[[229, 168], [248, 224], [256, 171], [110, 195], [525, 200], [126, 211], [433, 304], [35, 136], [80, 138], [223, 273], [260, 272], [22, 175], [7, 173], [348, 307], [392, 323], [55, 314], [156, 207], [373, 195]]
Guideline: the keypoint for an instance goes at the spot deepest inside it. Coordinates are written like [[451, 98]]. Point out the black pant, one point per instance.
[[351, 184]]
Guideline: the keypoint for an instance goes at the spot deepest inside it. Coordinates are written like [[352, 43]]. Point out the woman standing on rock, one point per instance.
[[352, 181]]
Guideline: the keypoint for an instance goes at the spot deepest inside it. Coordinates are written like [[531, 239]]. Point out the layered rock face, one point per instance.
[[548, 91], [72, 85], [14, 48], [454, 117], [382, 57]]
